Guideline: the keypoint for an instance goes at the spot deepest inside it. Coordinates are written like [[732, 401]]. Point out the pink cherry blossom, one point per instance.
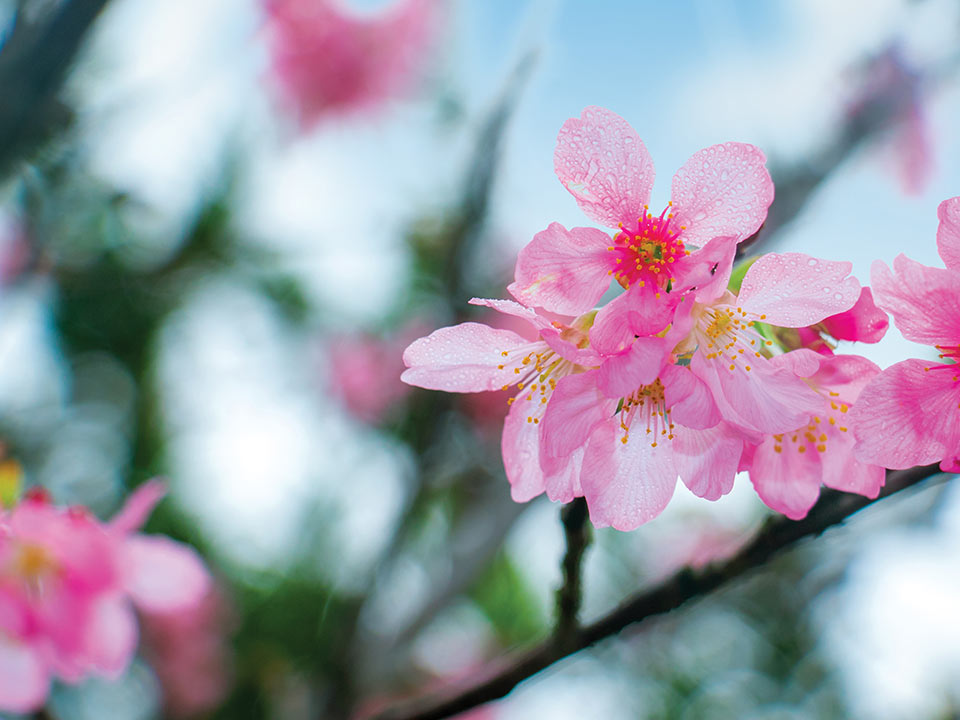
[[637, 442], [363, 371], [910, 414], [325, 59], [187, 650], [472, 357], [722, 191], [728, 351], [68, 585], [787, 469]]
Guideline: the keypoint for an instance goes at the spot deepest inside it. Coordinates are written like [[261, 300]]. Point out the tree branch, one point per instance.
[[577, 534], [33, 65], [776, 535]]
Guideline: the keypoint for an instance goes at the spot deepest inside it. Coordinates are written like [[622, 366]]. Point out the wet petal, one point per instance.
[[722, 190], [604, 164]]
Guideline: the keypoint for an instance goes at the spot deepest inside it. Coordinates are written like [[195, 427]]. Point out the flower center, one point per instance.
[[815, 435], [648, 402], [33, 565], [644, 254], [726, 333]]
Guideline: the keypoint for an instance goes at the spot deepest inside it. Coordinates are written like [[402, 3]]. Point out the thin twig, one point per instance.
[[576, 531], [776, 535]]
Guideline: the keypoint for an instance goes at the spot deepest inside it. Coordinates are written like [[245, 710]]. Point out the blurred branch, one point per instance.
[[775, 536], [427, 411], [796, 183], [576, 531], [33, 65]]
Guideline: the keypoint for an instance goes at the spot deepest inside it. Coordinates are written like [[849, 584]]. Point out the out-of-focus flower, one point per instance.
[[364, 369], [68, 584], [188, 652], [326, 60], [891, 86], [910, 413]]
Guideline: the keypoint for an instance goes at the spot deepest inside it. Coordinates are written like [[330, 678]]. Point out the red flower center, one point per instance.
[[644, 254]]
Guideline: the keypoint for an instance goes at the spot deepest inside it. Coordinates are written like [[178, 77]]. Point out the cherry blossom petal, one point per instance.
[[562, 482], [948, 233], [795, 290], [908, 415], [163, 575], [843, 471], [463, 358], [688, 398], [138, 507], [924, 301], [787, 481], [845, 375], [707, 460], [639, 311], [24, 680], [864, 322], [111, 635], [722, 190], [626, 484], [604, 164], [623, 373], [563, 271], [707, 270], [576, 407], [766, 399], [521, 448]]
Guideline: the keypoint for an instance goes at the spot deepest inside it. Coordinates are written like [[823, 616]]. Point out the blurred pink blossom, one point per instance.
[[364, 371], [324, 59], [890, 85], [68, 584], [189, 655]]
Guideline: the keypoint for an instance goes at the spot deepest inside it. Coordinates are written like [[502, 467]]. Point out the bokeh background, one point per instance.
[[201, 279]]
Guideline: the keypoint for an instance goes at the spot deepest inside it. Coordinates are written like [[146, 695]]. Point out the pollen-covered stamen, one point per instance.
[[645, 253], [729, 335], [949, 352], [646, 405]]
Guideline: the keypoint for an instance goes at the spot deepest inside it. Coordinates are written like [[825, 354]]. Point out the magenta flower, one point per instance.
[[472, 357], [910, 414], [787, 469], [722, 191], [68, 584], [325, 60]]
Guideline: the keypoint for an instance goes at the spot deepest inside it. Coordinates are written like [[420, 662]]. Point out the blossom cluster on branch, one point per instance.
[[69, 585], [699, 369]]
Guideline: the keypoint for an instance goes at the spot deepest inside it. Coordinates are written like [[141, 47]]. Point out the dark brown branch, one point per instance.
[[776, 535], [576, 531]]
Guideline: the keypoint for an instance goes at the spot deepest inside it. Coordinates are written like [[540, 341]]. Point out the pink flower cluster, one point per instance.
[[69, 585], [326, 60], [683, 374]]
